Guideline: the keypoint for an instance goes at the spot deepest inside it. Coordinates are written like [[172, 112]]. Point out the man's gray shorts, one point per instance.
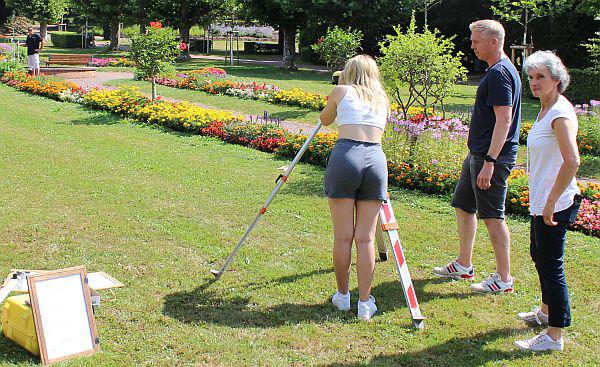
[[356, 170], [486, 203]]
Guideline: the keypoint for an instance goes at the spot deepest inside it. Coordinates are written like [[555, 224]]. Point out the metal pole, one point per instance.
[[280, 181], [231, 49]]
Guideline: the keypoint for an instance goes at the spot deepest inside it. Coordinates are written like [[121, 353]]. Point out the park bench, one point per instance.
[[69, 59]]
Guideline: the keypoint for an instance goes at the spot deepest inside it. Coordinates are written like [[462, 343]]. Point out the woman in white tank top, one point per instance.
[[356, 176], [553, 160]]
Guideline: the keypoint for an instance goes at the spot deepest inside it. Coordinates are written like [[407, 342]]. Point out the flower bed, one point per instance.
[[110, 61], [187, 117], [253, 90]]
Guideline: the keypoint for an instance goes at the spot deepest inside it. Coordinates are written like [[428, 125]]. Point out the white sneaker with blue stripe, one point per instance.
[[493, 284]]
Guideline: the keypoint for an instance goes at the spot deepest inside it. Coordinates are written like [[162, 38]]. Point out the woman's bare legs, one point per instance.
[[364, 236], [342, 214]]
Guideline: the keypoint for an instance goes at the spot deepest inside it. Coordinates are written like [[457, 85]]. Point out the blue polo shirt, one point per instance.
[[500, 86]]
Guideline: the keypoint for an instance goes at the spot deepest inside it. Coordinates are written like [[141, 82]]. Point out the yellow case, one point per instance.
[[17, 323]]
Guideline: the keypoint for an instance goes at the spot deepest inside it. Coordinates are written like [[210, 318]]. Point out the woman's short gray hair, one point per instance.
[[553, 63]]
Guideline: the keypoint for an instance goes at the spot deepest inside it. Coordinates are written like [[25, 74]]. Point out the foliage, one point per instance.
[[525, 11], [421, 62], [338, 46], [65, 39], [593, 48], [40, 10], [154, 52]]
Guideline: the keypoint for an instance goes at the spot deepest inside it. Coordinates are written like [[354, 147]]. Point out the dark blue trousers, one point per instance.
[[547, 251]]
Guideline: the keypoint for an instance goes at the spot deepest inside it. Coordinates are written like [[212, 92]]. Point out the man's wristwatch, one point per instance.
[[488, 158]]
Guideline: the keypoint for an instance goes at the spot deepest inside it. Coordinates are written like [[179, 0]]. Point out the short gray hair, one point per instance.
[[490, 28], [553, 63]]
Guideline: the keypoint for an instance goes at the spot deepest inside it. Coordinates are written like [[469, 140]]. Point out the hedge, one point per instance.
[[66, 39], [584, 86]]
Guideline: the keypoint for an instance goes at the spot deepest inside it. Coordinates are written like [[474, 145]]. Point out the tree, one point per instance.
[[425, 6], [287, 15], [337, 46], [525, 11], [423, 63], [183, 14], [43, 11], [108, 11], [154, 52]]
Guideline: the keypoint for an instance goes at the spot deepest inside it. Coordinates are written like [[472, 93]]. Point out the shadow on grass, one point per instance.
[[469, 351], [98, 118], [12, 353], [206, 305]]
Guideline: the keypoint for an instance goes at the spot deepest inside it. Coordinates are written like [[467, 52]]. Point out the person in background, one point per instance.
[[554, 198], [493, 144], [356, 176], [34, 44]]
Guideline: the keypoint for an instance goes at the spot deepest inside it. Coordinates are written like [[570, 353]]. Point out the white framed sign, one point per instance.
[[63, 316]]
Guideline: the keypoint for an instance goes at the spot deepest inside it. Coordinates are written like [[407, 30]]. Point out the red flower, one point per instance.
[[156, 25], [183, 46]]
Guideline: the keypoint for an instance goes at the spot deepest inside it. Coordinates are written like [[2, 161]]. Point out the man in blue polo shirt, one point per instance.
[[493, 143]]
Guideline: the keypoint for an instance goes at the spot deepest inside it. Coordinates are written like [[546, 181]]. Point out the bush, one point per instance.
[[338, 46], [66, 39], [585, 85], [423, 63]]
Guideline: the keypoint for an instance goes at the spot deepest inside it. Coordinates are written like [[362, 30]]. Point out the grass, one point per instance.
[[157, 209]]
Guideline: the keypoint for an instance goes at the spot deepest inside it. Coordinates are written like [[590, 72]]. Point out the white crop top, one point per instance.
[[354, 111]]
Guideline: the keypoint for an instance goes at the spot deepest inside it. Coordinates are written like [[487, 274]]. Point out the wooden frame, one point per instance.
[[63, 316], [107, 278]]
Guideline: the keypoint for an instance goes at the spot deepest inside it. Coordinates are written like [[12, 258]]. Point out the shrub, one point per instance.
[[154, 52], [422, 63], [338, 46], [66, 39], [584, 86]]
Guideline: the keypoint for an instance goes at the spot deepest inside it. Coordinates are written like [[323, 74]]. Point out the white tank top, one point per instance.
[[354, 111]]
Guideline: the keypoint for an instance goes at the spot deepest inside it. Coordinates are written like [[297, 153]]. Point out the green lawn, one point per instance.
[[157, 209]]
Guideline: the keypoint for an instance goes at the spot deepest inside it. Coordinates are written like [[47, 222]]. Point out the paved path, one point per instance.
[[104, 77]]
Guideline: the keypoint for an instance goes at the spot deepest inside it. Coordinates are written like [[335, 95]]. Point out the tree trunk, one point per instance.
[[43, 28], [106, 32], [289, 47], [184, 30], [280, 40], [153, 89], [184, 33], [143, 28], [114, 35]]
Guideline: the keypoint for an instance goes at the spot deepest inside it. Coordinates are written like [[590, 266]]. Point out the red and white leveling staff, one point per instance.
[[390, 226], [280, 181]]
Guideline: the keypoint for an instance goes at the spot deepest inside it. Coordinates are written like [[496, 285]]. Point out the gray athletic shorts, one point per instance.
[[356, 170], [486, 203]]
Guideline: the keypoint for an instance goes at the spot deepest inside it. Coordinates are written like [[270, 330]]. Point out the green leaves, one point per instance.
[[337, 46], [421, 62], [154, 52]]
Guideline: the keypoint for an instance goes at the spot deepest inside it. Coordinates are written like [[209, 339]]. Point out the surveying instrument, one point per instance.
[[387, 227]]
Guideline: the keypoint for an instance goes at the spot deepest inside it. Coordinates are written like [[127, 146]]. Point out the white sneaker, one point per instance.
[[534, 316], [366, 310], [454, 271], [341, 301], [493, 284], [540, 343]]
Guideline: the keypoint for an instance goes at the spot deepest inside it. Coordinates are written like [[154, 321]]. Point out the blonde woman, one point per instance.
[[553, 195], [356, 176]]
